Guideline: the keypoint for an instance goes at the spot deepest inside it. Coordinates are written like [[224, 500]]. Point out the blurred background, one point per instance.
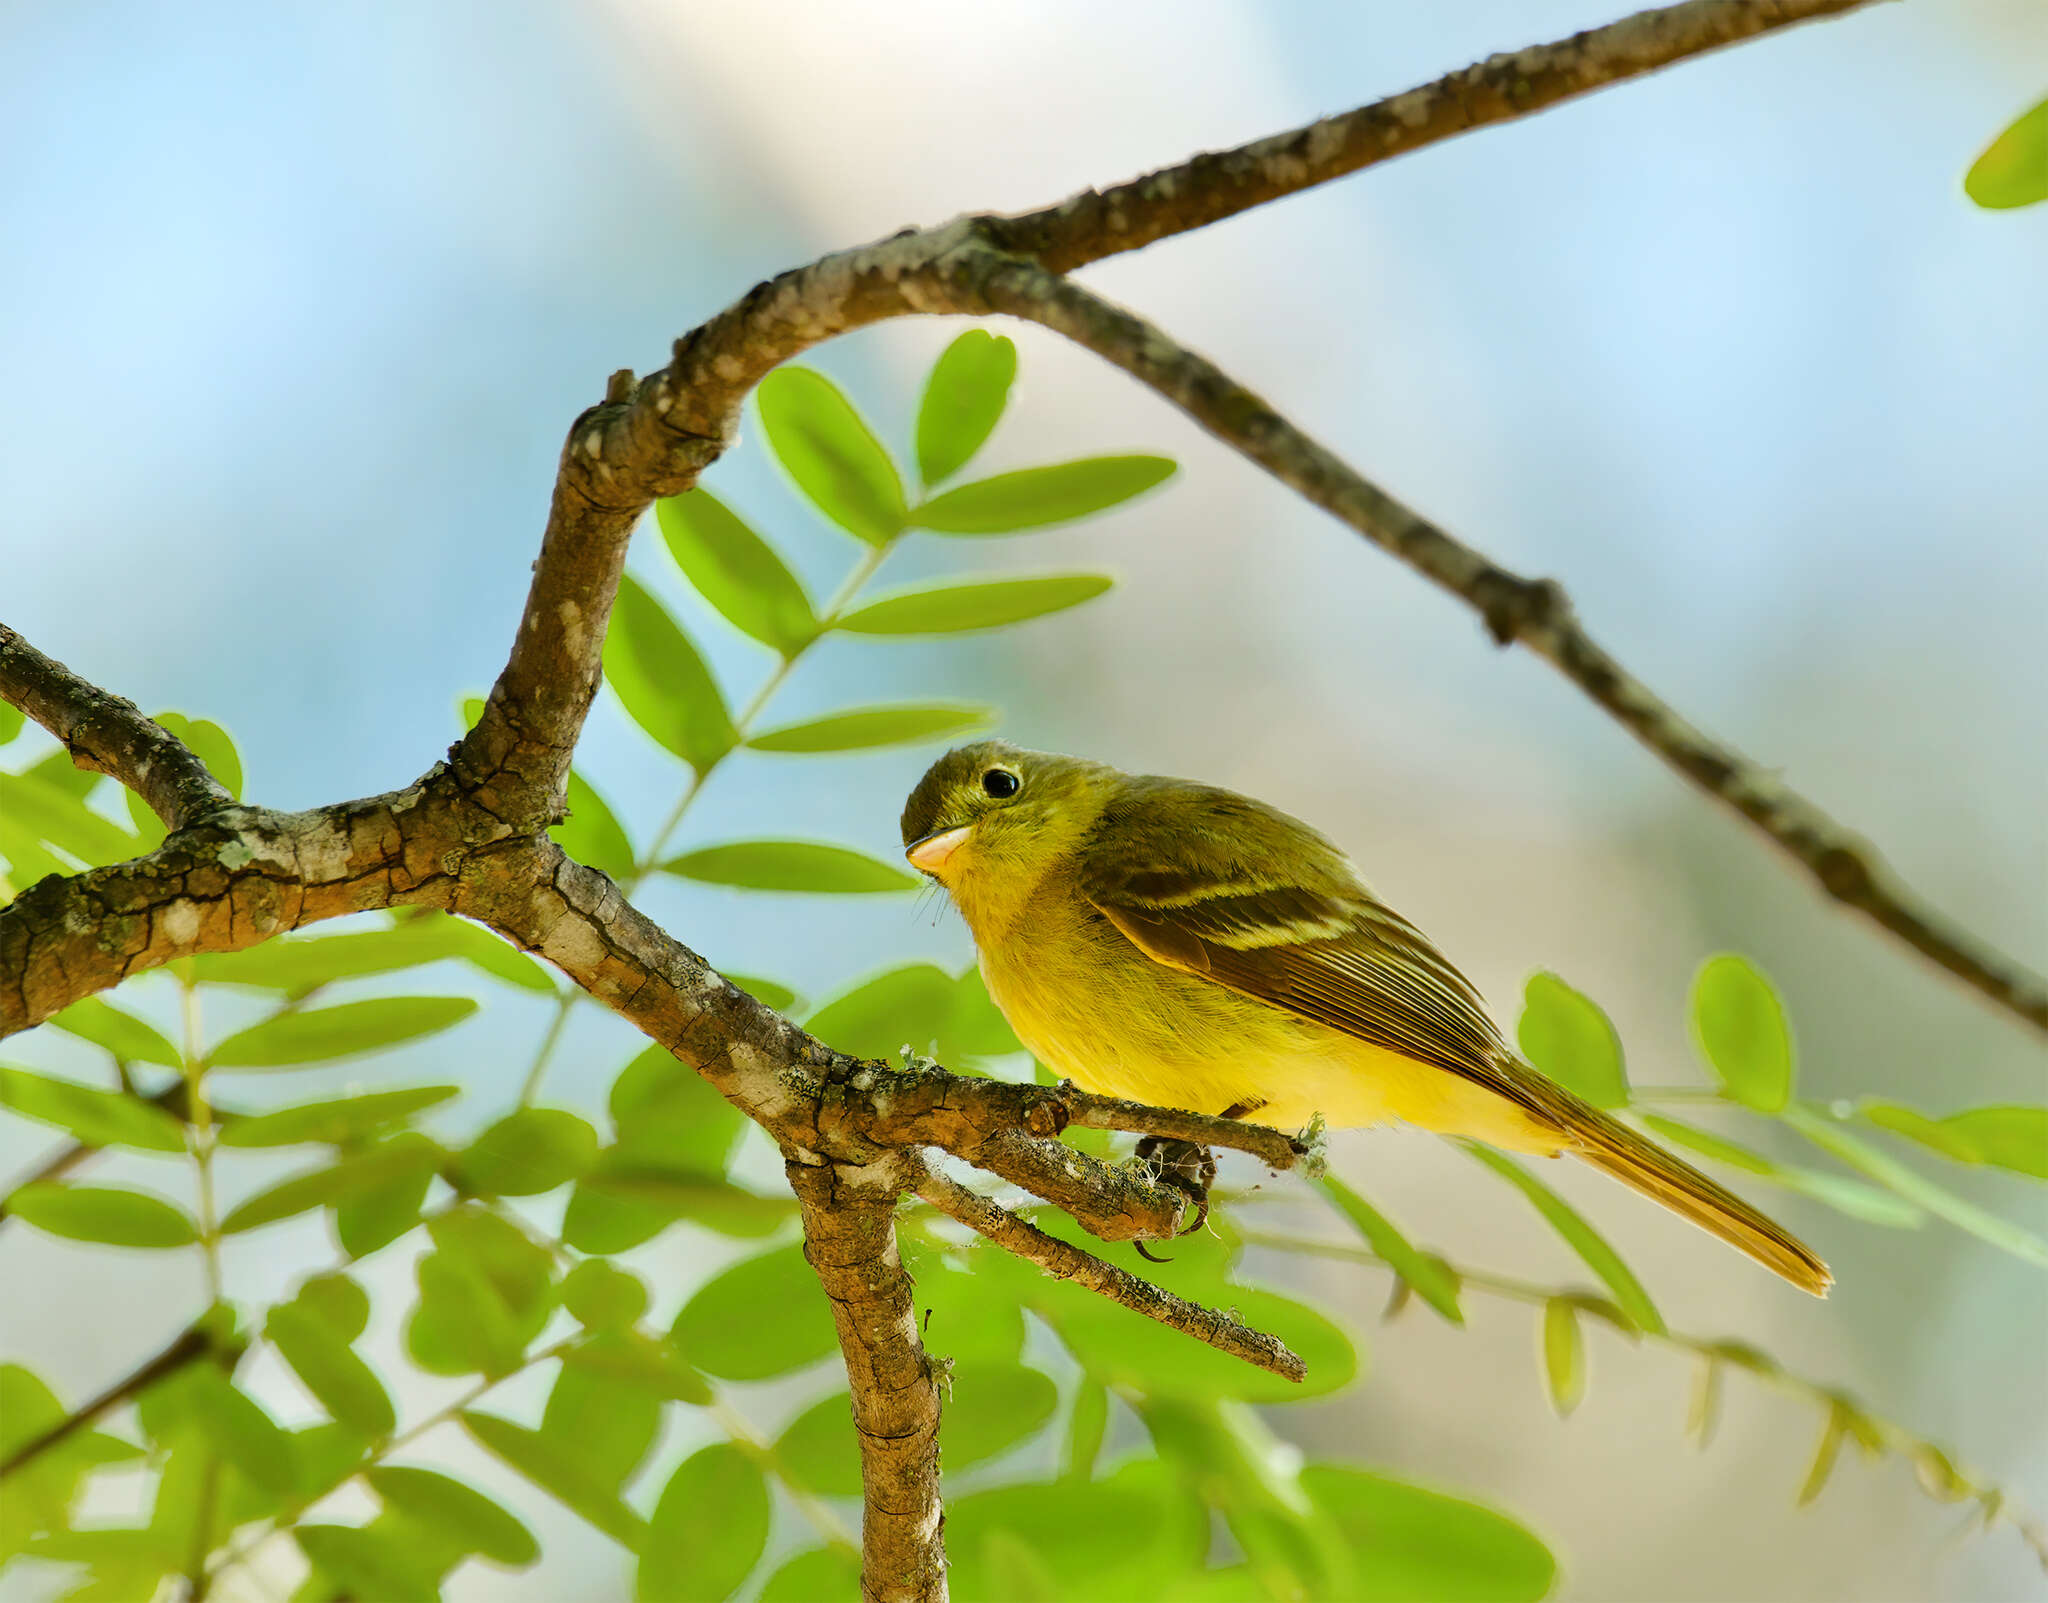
[[297, 303]]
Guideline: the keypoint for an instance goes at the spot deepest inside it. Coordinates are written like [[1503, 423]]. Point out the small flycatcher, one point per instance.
[[1186, 946]]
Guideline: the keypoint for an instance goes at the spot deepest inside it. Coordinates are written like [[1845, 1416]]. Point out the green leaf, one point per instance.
[[535, 1456], [1851, 1197], [97, 1118], [769, 993], [238, 1429], [762, 1316], [527, 1153], [342, 1383], [11, 721], [1740, 1026], [833, 456], [650, 1366], [1035, 497], [978, 604], [1917, 1126], [51, 813], [861, 728], [604, 1420], [737, 571], [299, 964], [1425, 1275], [368, 1564], [1583, 1239], [790, 865], [919, 1006], [1410, 1543], [2013, 170], [1564, 1033], [624, 1201], [96, 1020], [350, 1176], [106, 1214], [337, 1302], [1564, 1355], [1123, 1539], [2011, 1136], [601, 1296], [1825, 1457], [349, 1029], [485, 1293], [337, 1122], [592, 833], [1709, 1145], [709, 1529], [461, 1514], [1915, 1187], [963, 402], [993, 1407], [1087, 1426], [662, 681], [207, 741], [379, 1216], [823, 1572]]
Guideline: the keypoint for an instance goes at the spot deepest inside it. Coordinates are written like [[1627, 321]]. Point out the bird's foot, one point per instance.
[[1188, 1168]]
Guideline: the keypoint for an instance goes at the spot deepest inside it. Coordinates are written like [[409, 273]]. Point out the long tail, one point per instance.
[[1614, 1148]]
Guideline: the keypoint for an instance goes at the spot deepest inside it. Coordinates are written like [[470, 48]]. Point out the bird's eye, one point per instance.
[[1001, 783]]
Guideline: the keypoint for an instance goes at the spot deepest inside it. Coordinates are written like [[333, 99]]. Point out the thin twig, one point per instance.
[[192, 1344]]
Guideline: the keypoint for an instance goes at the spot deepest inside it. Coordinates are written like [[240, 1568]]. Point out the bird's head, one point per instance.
[[994, 817]]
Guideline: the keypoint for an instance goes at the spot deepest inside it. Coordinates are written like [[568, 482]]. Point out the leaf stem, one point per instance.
[[199, 1115]]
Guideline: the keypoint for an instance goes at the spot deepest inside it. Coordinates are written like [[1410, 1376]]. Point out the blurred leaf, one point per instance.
[[1564, 1355], [2009, 1136], [470, 709], [967, 1317], [1824, 1457], [601, 1296], [527, 1153], [465, 1516], [207, 741], [1125, 1538], [649, 1366], [22, 860], [1850, 1197], [860, 728], [97, 1118], [1703, 1412], [963, 401], [664, 684], [625, 1200], [1937, 1476], [1740, 1026], [348, 1176], [51, 813], [823, 1572], [368, 1564], [993, 1407], [2013, 170], [105, 1214], [337, 1302], [1410, 1543], [11, 721], [1564, 1033], [238, 1429], [762, 1316], [1582, 1238], [833, 456], [790, 865], [349, 1029], [127, 1037], [341, 1382], [592, 833], [1915, 1187], [664, 1110], [975, 604], [602, 1419], [709, 1529], [299, 964], [1425, 1275], [1087, 1425], [379, 1216], [919, 1006], [738, 572], [337, 1122], [769, 993], [485, 1293], [1035, 497]]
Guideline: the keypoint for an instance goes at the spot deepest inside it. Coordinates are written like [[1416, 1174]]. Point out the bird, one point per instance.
[[1183, 945]]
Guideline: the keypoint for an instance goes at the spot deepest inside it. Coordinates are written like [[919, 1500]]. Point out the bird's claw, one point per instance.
[[1188, 1168]]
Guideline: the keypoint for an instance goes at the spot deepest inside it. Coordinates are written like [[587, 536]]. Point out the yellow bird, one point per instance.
[[1183, 945]]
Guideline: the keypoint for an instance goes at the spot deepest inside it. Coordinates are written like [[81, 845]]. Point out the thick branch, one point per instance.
[[1535, 612], [1064, 1261], [850, 1240], [1216, 185], [108, 734]]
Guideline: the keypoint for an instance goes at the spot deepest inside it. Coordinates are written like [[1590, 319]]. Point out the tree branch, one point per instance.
[[1064, 1261], [109, 734], [197, 1342], [850, 1240], [1535, 612]]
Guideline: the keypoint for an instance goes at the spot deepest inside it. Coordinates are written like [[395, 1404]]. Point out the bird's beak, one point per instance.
[[928, 855]]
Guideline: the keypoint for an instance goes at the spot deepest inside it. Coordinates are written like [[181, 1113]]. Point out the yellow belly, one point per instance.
[[1095, 1009]]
